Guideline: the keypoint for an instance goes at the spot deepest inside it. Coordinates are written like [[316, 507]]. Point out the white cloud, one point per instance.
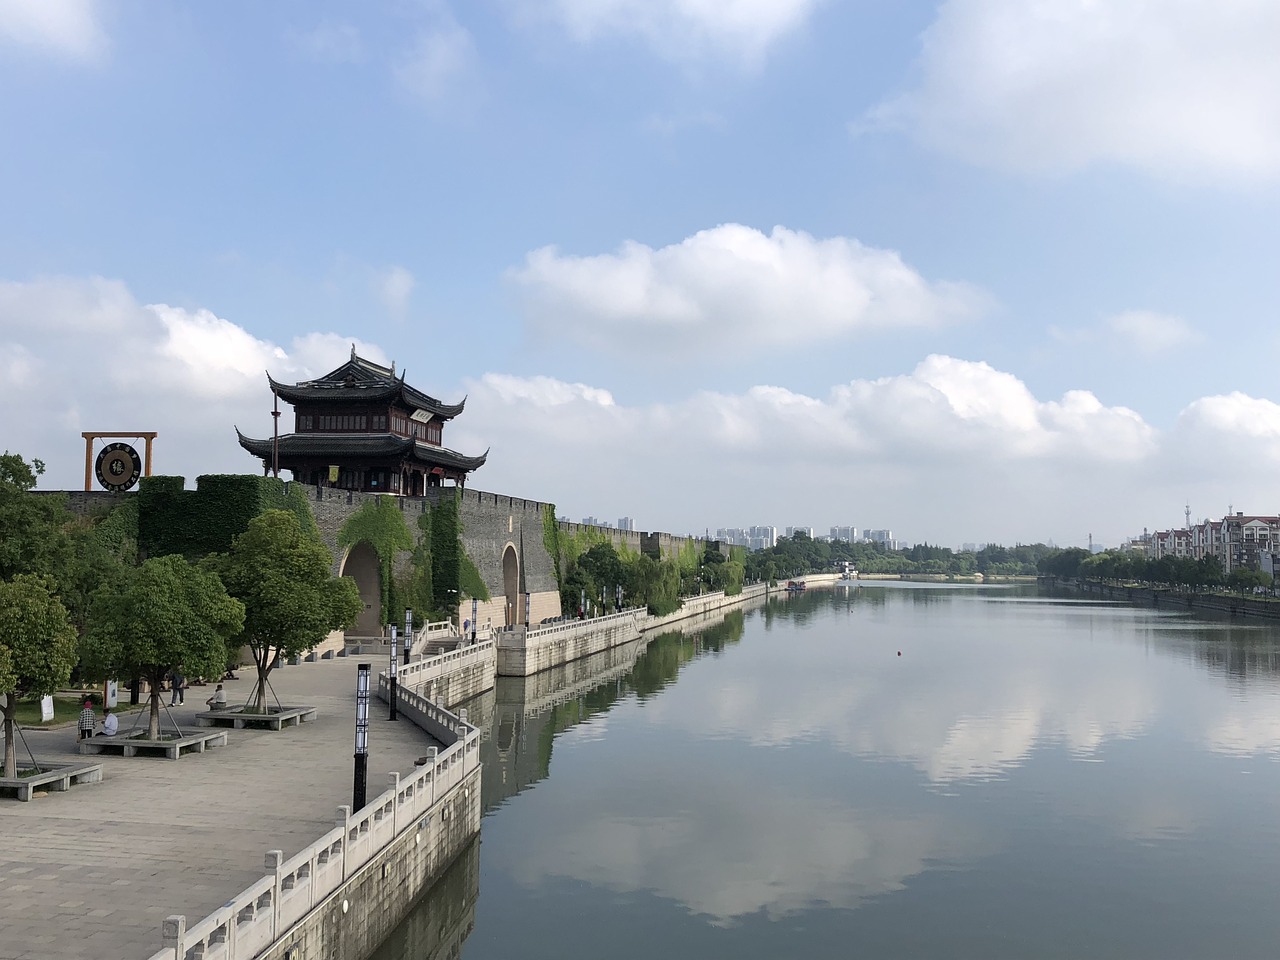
[[394, 286], [441, 63], [741, 30], [330, 42], [731, 287], [90, 357], [1139, 331], [1149, 332], [1174, 87], [68, 27], [953, 450]]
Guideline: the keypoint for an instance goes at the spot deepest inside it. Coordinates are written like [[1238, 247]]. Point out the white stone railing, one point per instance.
[[250, 922], [595, 623], [413, 675]]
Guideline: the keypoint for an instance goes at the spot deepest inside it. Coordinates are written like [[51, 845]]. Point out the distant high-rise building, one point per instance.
[[626, 523], [753, 538], [848, 534], [807, 531]]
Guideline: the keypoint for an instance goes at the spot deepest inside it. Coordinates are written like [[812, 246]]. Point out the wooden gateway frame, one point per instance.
[[116, 435]]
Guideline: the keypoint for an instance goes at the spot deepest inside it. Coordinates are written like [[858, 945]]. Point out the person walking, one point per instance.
[[87, 721], [176, 684]]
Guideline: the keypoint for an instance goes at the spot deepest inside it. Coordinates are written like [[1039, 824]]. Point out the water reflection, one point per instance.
[[443, 918], [523, 717], [887, 771]]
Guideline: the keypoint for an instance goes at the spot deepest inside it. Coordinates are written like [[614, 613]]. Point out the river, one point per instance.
[[895, 771]]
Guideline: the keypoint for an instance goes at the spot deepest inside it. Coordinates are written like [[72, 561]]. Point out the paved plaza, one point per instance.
[[92, 872]]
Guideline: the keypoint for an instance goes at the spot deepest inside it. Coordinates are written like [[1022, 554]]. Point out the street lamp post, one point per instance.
[[473, 619], [361, 773], [408, 634], [391, 698]]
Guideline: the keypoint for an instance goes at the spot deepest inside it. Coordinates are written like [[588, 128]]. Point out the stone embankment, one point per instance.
[[1216, 603]]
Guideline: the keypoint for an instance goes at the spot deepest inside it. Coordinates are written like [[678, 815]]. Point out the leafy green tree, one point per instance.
[[281, 575], [33, 536], [1246, 580], [165, 614], [37, 648]]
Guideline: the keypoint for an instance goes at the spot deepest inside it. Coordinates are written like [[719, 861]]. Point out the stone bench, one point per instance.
[[239, 719], [54, 778], [172, 749]]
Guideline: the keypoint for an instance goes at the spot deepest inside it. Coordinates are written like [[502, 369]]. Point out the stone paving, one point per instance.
[[92, 872]]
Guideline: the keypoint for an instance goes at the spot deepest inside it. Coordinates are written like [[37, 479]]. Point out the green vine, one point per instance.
[[551, 540], [380, 523], [172, 519]]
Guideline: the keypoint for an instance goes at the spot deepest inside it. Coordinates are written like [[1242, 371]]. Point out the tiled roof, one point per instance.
[[360, 445], [363, 380]]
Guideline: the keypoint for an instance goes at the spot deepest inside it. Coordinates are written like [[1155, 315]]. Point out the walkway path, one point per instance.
[[92, 872]]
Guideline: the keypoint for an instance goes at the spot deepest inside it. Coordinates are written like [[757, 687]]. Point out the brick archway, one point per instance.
[[361, 565]]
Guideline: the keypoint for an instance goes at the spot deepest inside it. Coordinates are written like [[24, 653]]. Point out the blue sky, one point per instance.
[[973, 270]]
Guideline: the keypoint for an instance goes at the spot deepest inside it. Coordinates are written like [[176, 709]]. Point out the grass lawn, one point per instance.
[[65, 710]]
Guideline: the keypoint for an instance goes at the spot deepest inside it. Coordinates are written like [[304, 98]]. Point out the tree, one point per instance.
[[37, 648], [1247, 580], [291, 600], [163, 615], [33, 537]]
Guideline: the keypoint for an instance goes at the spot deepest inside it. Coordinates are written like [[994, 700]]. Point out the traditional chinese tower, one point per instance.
[[361, 427]]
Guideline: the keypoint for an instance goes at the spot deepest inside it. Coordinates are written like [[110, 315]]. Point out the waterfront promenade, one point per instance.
[[92, 872]]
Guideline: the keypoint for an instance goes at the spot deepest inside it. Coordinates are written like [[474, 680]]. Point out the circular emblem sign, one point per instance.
[[118, 467]]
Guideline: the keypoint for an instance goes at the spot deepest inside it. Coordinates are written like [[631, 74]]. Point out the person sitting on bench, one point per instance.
[[219, 699]]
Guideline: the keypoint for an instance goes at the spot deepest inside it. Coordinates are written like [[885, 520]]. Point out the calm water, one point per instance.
[[1032, 777]]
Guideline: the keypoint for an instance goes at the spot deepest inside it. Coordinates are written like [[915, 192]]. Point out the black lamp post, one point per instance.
[[391, 699], [408, 634], [361, 773]]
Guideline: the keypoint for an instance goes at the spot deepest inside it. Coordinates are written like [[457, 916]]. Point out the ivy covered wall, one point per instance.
[[172, 519]]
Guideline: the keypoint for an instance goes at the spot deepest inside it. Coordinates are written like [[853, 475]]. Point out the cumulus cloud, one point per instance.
[[90, 357], [1173, 87], [741, 30], [731, 285], [71, 28], [952, 450]]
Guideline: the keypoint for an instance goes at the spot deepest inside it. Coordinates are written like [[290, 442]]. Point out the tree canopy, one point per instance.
[[37, 648], [281, 575], [33, 534], [162, 615]]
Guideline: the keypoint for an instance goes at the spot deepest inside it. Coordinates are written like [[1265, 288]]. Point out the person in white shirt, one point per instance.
[[110, 723], [219, 699]]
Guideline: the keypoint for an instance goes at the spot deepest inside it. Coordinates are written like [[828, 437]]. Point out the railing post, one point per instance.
[[394, 779], [344, 821], [173, 931], [273, 861], [431, 760]]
